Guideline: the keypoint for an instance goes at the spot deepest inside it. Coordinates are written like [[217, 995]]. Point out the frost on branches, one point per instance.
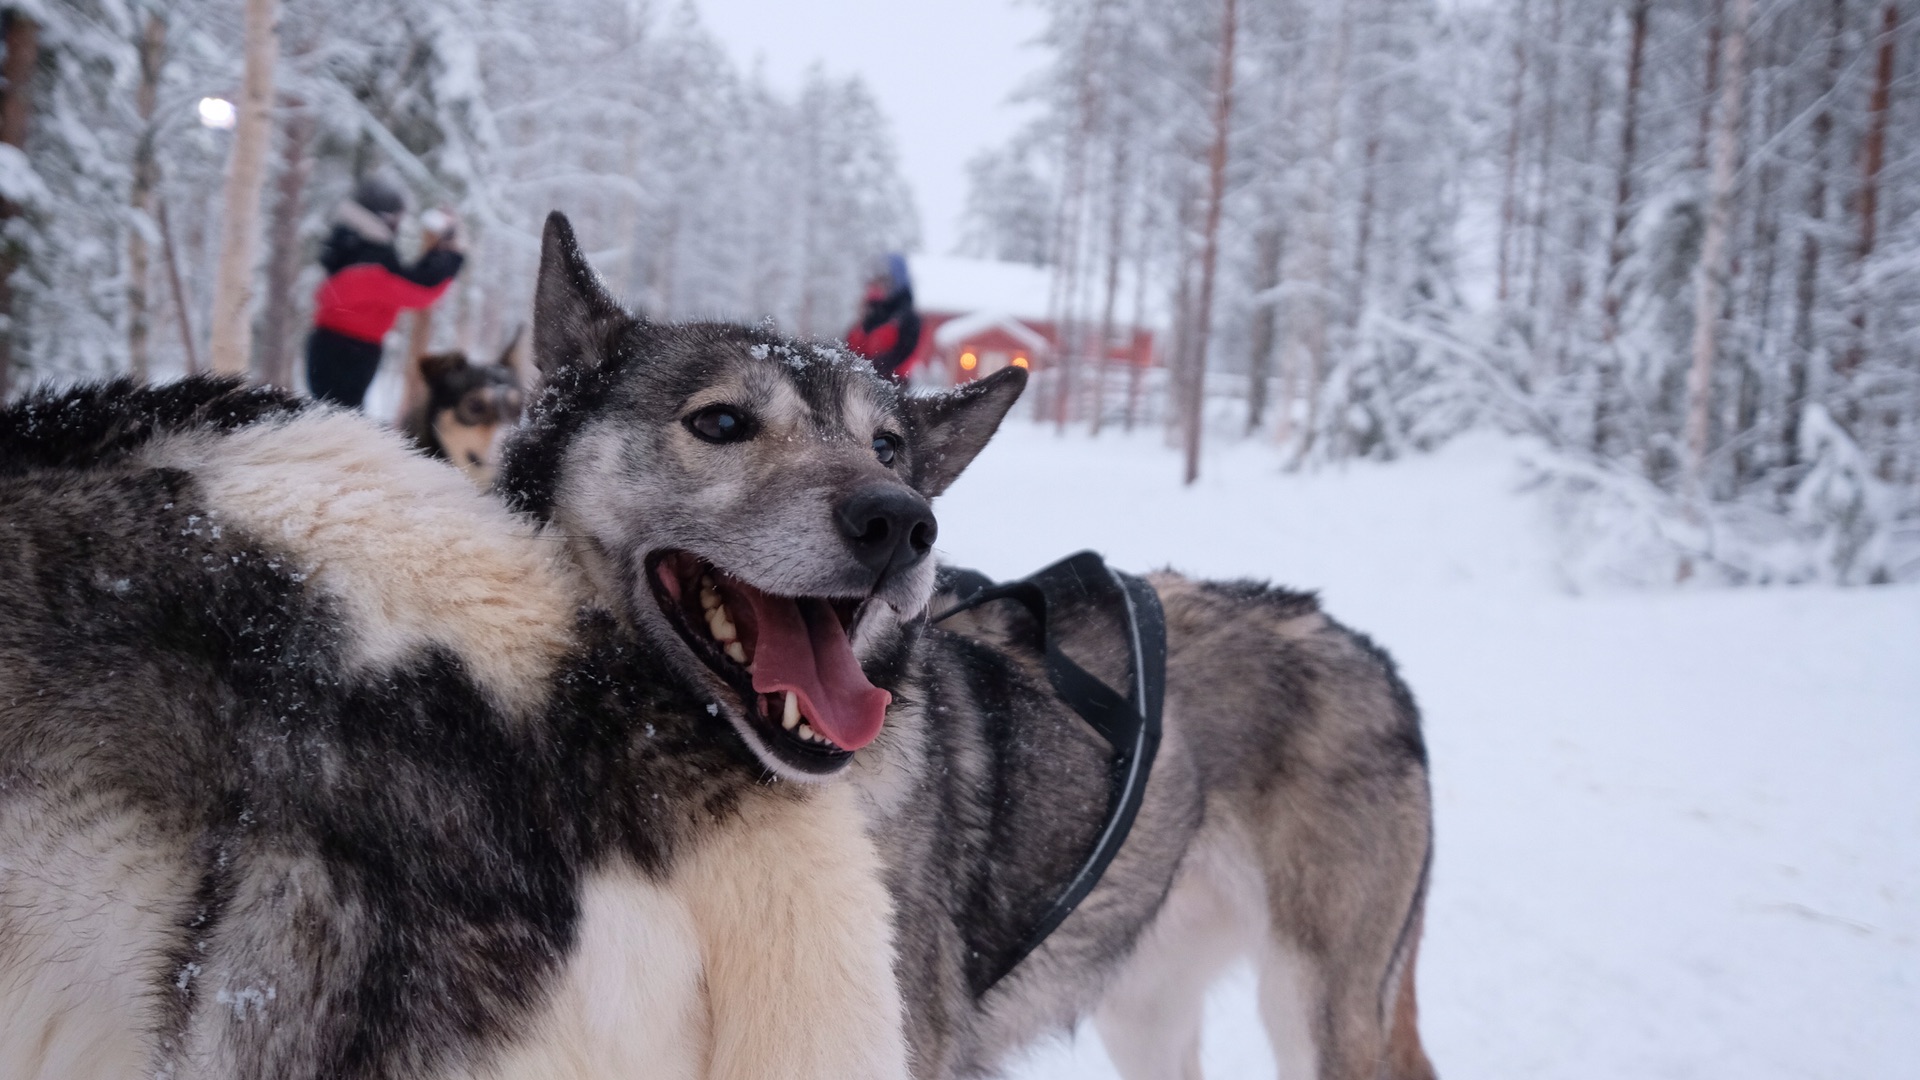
[[1442, 217]]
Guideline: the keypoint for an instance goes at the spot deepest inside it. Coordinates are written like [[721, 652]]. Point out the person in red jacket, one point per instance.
[[366, 289], [889, 328]]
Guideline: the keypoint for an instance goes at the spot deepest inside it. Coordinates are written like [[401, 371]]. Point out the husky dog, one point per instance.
[[317, 762], [466, 411], [1287, 820], [1288, 815]]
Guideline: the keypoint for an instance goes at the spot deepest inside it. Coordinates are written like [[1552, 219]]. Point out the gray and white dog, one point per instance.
[[1288, 817], [1287, 821], [316, 762]]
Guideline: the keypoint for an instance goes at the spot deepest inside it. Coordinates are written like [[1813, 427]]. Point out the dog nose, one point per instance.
[[888, 529]]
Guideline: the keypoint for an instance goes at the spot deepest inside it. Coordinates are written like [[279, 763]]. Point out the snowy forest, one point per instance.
[[1676, 244], [703, 191]]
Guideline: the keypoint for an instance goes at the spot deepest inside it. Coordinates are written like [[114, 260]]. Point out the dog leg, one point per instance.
[[1150, 1021], [795, 927], [1290, 999]]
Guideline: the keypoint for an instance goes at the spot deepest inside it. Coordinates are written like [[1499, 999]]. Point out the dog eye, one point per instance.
[[885, 447], [720, 424]]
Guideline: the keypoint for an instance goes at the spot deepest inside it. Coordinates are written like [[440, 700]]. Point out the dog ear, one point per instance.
[[573, 314], [513, 346], [948, 429], [440, 365]]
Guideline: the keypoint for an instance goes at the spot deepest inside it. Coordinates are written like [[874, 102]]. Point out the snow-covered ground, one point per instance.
[[1678, 831]]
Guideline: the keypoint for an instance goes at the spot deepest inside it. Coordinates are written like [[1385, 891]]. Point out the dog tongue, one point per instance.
[[800, 646]]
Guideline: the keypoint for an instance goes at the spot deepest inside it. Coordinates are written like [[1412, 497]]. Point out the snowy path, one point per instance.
[[1679, 833]]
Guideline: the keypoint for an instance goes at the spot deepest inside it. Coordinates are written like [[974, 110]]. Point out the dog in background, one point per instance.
[[1287, 821], [465, 410]]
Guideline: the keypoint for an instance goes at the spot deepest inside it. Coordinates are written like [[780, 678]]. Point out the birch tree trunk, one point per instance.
[[283, 248], [1710, 276], [232, 330], [22, 36], [146, 175], [1210, 244]]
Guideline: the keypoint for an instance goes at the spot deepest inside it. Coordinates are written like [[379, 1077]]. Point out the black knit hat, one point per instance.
[[380, 197]]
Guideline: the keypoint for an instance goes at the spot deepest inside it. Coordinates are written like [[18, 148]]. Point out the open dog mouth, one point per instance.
[[789, 659]]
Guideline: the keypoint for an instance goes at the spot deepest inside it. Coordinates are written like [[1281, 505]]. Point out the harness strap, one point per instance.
[[1129, 724]]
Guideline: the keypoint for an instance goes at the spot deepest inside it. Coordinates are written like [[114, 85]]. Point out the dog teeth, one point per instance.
[[736, 652], [709, 596], [806, 733], [790, 713], [720, 624]]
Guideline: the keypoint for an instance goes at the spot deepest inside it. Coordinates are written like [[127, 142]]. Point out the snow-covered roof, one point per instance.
[[954, 331]]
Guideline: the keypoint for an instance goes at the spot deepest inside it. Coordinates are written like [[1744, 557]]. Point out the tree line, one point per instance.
[[135, 238], [1676, 241]]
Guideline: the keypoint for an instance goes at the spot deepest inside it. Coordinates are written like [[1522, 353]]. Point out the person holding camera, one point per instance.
[[367, 287]]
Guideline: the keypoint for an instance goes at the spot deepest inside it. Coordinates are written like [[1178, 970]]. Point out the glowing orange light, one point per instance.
[[1020, 361], [968, 361]]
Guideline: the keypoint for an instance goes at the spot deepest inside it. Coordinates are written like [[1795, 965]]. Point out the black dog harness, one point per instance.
[[1130, 724]]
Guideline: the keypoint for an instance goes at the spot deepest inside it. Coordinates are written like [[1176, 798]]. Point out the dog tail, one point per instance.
[[1406, 1058]]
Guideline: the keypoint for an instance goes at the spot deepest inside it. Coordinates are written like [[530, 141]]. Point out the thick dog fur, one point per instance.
[[316, 762]]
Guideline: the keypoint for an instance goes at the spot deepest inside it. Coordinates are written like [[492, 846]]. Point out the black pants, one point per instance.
[[340, 368]]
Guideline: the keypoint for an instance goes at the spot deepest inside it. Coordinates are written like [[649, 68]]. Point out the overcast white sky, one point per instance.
[[942, 69]]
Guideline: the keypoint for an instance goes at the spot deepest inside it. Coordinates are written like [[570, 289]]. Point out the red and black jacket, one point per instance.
[[367, 286], [887, 334]]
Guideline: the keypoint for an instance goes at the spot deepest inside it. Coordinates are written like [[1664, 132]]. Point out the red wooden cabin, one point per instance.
[[978, 316]]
